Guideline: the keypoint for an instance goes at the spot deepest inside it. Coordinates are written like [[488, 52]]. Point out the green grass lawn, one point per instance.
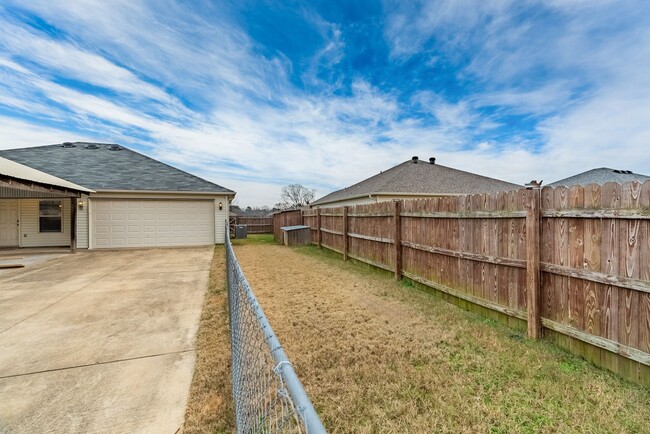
[[254, 239], [380, 356]]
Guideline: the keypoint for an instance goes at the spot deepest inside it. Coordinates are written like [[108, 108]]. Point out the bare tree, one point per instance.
[[296, 196]]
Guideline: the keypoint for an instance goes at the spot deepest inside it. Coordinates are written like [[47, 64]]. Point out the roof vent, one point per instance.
[[617, 171], [91, 146], [432, 160], [68, 145], [629, 172], [114, 148], [414, 159]]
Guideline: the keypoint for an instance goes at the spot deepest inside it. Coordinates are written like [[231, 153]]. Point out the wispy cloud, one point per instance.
[[510, 90]]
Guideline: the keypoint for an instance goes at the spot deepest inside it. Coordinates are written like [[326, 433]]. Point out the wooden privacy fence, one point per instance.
[[573, 263], [285, 218], [256, 225]]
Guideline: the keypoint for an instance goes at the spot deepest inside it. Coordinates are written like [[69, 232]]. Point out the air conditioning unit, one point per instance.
[[241, 231]]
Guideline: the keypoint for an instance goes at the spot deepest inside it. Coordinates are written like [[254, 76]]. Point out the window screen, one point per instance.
[[49, 215]]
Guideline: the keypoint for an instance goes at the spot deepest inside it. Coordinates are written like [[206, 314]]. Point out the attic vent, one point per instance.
[[414, 159], [91, 146], [114, 148], [68, 145], [629, 172], [617, 171], [432, 160]]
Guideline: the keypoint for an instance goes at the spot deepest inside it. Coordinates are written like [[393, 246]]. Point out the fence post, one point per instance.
[[345, 233], [533, 215], [397, 221], [319, 234]]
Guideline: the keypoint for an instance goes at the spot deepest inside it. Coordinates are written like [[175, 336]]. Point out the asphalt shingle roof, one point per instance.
[[102, 166], [600, 176], [420, 178]]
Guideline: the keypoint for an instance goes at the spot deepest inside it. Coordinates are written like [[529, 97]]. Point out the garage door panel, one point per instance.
[[152, 223]]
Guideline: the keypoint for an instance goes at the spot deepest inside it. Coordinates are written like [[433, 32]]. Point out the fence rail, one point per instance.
[[269, 397], [256, 225], [574, 263]]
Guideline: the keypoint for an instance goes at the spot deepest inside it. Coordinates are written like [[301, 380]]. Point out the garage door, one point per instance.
[[151, 223]]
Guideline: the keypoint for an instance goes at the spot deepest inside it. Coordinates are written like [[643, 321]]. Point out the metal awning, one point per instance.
[[294, 228], [18, 181]]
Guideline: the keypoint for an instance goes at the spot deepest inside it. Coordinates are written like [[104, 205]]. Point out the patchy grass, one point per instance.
[[210, 407], [255, 239], [376, 355]]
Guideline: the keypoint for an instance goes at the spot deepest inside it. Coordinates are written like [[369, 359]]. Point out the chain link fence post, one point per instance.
[[268, 395]]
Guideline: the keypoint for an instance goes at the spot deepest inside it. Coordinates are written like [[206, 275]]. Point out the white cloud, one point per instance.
[[20, 134], [234, 117]]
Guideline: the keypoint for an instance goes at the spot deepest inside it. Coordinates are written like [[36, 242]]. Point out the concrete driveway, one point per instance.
[[100, 341]]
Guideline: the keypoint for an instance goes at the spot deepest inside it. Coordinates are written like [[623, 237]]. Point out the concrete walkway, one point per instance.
[[100, 341]]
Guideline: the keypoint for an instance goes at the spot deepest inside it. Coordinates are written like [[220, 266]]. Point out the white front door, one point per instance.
[[8, 223]]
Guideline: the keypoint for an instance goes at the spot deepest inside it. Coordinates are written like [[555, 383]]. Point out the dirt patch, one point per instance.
[[210, 407], [378, 356]]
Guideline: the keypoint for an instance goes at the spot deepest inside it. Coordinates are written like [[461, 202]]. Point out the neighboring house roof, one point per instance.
[[417, 177], [25, 173], [110, 167], [601, 176]]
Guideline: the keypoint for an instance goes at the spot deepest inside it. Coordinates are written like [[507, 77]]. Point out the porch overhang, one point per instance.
[[13, 188], [18, 181]]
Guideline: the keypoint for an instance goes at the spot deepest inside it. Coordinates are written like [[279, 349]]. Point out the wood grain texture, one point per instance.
[[532, 265], [547, 256], [397, 224], [594, 257], [644, 271], [611, 198]]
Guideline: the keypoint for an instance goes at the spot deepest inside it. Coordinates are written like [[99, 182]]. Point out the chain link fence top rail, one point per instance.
[[268, 395]]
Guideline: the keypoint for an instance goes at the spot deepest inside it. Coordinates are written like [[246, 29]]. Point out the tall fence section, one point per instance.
[[268, 395], [572, 264], [256, 225], [285, 218]]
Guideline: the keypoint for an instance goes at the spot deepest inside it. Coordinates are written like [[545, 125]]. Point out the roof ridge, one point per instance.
[[172, 167], [421, 177], [99, 169]]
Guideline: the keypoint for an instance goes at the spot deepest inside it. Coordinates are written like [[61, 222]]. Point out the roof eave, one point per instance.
[[206, 193], [384, 193]]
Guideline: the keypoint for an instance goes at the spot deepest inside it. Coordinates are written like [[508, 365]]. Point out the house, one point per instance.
[[413, 179], [116, 198], [21, 182], [601, 175]]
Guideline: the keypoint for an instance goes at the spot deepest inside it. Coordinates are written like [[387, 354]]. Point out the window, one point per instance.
[[49, 216]]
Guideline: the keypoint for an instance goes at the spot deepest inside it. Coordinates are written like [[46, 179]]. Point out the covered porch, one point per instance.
[[37, 210]]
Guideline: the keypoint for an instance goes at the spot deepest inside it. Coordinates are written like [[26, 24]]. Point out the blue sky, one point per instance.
[[255, 95]]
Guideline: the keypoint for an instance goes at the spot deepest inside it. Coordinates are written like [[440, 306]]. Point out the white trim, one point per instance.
[[91, 241], [155, 192], [19, 226]]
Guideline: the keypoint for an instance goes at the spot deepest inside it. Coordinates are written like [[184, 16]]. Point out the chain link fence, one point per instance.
[[269, 397]]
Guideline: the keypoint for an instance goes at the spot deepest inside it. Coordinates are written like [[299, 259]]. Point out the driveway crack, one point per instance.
[[108, 362]]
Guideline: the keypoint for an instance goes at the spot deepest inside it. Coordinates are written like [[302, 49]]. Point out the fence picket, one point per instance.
[[594, 245]]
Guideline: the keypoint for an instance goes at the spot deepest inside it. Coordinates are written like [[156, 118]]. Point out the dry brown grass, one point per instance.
[[379, 356], [210, 408]]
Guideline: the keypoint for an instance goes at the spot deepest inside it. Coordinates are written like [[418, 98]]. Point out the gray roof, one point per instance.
[[102, 166], [601, 176], [29, 174], [421, 178]]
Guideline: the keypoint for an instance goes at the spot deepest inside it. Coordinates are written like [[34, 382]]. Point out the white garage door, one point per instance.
[[151, 223]]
